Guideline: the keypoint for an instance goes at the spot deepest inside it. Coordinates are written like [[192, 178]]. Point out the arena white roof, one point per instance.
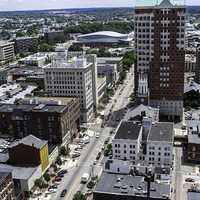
[[105, 33]]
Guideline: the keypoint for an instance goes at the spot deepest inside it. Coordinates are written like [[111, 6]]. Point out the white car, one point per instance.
[[97, 135]]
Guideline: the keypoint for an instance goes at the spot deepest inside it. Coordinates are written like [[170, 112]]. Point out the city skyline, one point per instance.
[[12, 5]]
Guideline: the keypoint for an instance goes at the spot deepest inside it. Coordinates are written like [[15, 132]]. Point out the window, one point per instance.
[[194, 148], [125, 146]]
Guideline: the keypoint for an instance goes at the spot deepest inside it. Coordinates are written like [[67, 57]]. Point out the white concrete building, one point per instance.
[[38, 59], [110, 71], [127, 141], [159, 149], [7, 52], [76, 77], [190, 63], [143, 144]]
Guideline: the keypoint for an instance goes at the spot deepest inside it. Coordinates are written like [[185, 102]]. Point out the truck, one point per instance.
[[85, 178]]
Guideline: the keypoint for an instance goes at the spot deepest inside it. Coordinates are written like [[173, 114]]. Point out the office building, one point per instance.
[[35, 152], [160, 48], [51, 120], [26, 44], [7, 53], [76, 77], [6, 186]]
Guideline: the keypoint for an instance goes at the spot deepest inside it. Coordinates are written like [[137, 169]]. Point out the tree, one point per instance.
[[64, 151], [79, 196], [58, 161], [45, 47], [40, 183], [47, 177]]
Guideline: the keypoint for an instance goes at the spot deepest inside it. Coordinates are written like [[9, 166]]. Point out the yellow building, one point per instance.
[[29, 151]]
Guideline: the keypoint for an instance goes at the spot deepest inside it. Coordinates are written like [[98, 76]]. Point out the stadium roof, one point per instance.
[[105, 33]]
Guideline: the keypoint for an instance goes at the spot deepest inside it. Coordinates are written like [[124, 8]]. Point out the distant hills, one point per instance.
[[191, 9]]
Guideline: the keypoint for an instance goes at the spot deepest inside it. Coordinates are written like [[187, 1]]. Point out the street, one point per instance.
[[84, 164]]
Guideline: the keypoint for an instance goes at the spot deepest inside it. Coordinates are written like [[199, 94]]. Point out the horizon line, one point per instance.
[[98, 7]]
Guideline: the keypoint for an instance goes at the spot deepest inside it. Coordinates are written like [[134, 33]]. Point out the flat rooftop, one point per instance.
[[136, 113], [23, 173], [3, 175], [126, 185], [161, 131], [32, 108], [49, 100], [128, 130]]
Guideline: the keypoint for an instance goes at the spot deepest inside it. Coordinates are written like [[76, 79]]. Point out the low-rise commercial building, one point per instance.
[[126, 143], [7, 53], [190, 63], [47, 120], [130, 187], [6, 186], [110, 71], [192, 147], [144, 142], [38, 60], [35, 152], [160, 144], [26, 44], [111, 60]]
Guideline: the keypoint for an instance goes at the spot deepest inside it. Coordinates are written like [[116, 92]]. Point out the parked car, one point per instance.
[[60, 175], [91, 184], [63, 193], [57, 179], [76, 155], [191, 180], [64, 171], [85, 177]]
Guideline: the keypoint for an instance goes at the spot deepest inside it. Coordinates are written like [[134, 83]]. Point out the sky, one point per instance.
[[54, 4]]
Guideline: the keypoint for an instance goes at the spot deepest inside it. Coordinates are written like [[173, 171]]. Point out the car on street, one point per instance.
[[76, 155], [190, 180], [51, 190], [97, 135], [85, 178], [63, 171], [63, 193], [57, 179]]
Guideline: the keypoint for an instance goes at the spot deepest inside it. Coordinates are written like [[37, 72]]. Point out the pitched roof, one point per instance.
[[166, 4], [30, 140]]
